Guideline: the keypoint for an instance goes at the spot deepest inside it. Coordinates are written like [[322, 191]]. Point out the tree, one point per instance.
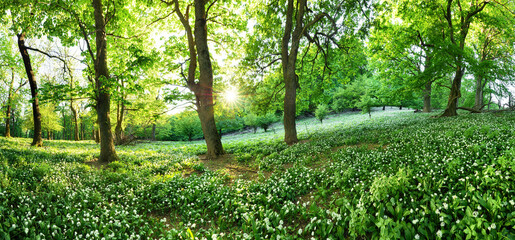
[[492, 43], [458, 17], [305, 25], [251, 120], [9, 61], [187, 125], [199, 56], [11, 93], [321, 112], [37, 139], [406, 49], [114, 20]]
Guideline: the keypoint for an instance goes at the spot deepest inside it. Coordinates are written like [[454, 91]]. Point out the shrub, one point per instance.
[[266, 121], [251, 120], [321, 112]]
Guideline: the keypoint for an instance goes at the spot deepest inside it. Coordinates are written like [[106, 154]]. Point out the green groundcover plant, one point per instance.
[[395, 176]]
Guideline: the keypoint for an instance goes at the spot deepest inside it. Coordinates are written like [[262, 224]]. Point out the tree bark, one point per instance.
[[455, 94], [154, 132], [82, 137], [118, 131], [465, 21], [478, 101], [75, 122], [204, 93], [74, 114], [289, 59], [107, 150], [427, 97], [64, 126], [120, 111], [37, 139]]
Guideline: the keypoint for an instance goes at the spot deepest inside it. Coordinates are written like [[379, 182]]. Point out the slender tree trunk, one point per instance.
[[37, 140], [81, 129], [75, 122], [204, 94], [478, 101], [154, 132], [74, 115], [64, 127], [427, 97], [384, 107], [107, 150], [118, 131]]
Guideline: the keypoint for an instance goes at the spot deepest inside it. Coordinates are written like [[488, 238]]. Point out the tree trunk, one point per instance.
[[118, 131], [81, 129], [427, 97], [204, 93], [75, 122], [478, 101], [107, 150], [384, 107], [290, 108], [74, 115], [37, 140], [64, 127], [455, 94], [154, 132], [289, 59]]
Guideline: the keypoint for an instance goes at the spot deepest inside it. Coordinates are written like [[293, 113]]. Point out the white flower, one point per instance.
[[439, 233], [26, 230], [493, 226], [417, 236], [300, 231]]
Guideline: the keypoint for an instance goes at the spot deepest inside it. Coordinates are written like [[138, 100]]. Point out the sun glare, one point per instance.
[[231, 95]]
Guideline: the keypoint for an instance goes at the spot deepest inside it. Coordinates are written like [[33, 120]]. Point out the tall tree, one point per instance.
[[493, 39], [459, 15], [199, 57], [110, 23], [37, 139], [406, 48], [305, 24], [11, 92]]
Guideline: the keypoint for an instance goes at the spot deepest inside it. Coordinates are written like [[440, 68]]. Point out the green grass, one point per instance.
[[396, 175]]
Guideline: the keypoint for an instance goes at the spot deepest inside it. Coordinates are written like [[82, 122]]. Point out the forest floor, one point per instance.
[[394, 175]]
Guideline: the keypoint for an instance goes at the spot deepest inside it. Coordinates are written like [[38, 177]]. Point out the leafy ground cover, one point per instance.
[[396, 175]]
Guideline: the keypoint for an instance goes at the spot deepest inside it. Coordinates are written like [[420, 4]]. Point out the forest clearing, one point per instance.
[[257, 119]]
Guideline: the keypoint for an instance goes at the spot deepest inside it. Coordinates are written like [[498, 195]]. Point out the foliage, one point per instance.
[[251, 120], [49, 119], [321, 112], [265, 121], [394, 175], [187, 124], [366, 103]]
